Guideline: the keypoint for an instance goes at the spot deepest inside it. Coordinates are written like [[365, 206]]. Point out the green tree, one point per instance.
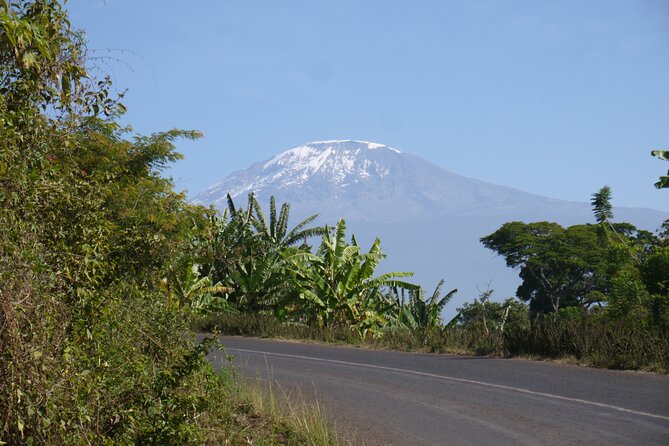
[[655, 276], [485, 315], [560, 267]]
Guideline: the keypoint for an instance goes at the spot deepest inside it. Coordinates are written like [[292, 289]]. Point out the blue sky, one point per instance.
[[555, 98]]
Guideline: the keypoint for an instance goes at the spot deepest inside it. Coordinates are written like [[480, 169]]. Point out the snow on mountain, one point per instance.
[[328, 166], [366, 181]]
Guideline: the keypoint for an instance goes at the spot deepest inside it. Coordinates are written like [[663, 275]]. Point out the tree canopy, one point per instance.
[[563, 267]]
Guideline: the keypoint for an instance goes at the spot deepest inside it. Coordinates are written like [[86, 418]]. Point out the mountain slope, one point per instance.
[[365, 181]]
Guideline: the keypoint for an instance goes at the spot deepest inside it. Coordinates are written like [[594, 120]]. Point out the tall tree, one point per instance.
[[93, 350], [559, 267]]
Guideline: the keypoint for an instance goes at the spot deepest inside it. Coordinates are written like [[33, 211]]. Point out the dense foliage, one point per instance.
[[415, 311], [98, 288], [92, 349], [271, 270]]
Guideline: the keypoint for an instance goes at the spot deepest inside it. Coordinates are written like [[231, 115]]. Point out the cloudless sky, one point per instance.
[[555, 98]]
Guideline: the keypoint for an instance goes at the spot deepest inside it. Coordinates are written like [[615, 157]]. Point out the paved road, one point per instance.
[[420, 399]]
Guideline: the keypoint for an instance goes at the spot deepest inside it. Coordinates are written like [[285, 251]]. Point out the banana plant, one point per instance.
[[235, 254], [275, 232], [255, 244], [336, 285], [419, 312]]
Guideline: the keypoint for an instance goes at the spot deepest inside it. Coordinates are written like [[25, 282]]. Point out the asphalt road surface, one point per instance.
[[384, 398]]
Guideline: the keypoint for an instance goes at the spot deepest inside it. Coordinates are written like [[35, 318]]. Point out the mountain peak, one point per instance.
[[314, 155], [331, 167], [349, 143]]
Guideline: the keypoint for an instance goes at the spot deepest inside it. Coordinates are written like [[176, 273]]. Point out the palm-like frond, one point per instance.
[[231, 206], [437, 292], [249, 209], [272, 218], [400, 283], [418, 311], [408, 319], [282, 223], [436, 306], [340, 238], [275, 231], [372, 259], [258, 221], [662, 154], [601, 205], [298, 234], [442, 303]]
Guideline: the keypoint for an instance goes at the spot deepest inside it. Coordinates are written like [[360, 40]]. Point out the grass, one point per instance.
[[253, 412], [304, 418], [587, 341]]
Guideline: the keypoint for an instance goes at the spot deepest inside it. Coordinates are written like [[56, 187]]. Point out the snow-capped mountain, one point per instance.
[[314, 170], [339, 163], [429, 220], [367, 181]]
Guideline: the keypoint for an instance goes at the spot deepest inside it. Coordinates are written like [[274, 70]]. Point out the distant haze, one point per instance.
[[429, 220]]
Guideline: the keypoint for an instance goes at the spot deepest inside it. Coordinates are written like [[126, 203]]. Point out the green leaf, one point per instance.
[[29, 59], [664, 182], [66, 86], [662, 154]]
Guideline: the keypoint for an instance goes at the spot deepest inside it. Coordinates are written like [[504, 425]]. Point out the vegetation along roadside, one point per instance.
[[594, 294], [97, 287]]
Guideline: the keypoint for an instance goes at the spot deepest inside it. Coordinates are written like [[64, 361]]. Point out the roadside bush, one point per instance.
[[592, 340]]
